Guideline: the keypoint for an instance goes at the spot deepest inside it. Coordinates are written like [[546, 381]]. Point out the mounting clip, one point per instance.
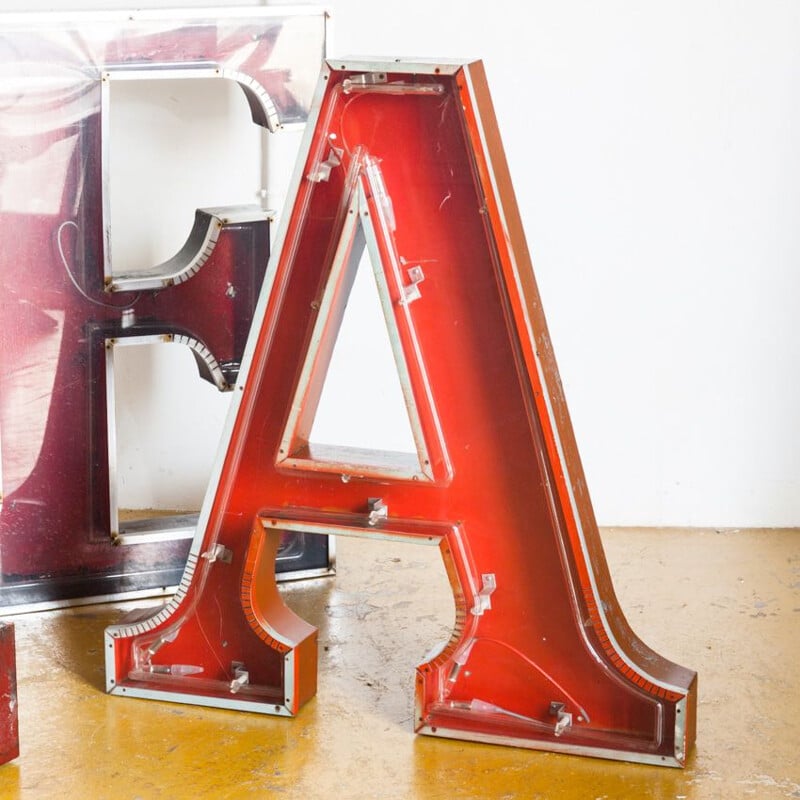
[[378, 511], [563, 718], [218, 552], [483, 599], [241, 677], [411, 290]]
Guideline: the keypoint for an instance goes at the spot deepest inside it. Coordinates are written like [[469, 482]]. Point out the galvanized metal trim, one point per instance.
[[553, 745], [110, 662], [305, 574], [442, 66], [115, 597], [111, 442], [680, 729], [258, 707], [122, 630], [124, 539], [288, 678], [332, 529]]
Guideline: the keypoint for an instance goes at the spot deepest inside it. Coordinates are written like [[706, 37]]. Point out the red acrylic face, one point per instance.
[[405, 160], [61, 311]]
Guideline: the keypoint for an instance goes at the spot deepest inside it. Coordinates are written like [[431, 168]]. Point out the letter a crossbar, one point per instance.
[[403, 163]]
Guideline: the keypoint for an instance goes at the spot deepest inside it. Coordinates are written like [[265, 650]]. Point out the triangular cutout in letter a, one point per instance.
[[396, 409], [362, 403]]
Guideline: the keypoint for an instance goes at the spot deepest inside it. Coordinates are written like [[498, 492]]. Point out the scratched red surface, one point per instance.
[[9, 724]]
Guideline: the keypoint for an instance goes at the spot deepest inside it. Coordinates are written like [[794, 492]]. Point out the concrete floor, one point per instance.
[[725, 603]]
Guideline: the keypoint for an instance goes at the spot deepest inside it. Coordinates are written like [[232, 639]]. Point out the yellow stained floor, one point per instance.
[[724, 603]]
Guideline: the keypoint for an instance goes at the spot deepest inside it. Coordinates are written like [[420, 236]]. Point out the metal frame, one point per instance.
[[541, 655]]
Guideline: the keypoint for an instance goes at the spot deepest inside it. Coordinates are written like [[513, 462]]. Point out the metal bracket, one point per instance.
[[323, 170], [411, 290], [483, 599], [366, 79], [218, 552], [378, 511], [563, 719], [241, 677]]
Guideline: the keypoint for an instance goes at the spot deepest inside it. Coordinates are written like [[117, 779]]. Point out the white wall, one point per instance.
[[654, 149]]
